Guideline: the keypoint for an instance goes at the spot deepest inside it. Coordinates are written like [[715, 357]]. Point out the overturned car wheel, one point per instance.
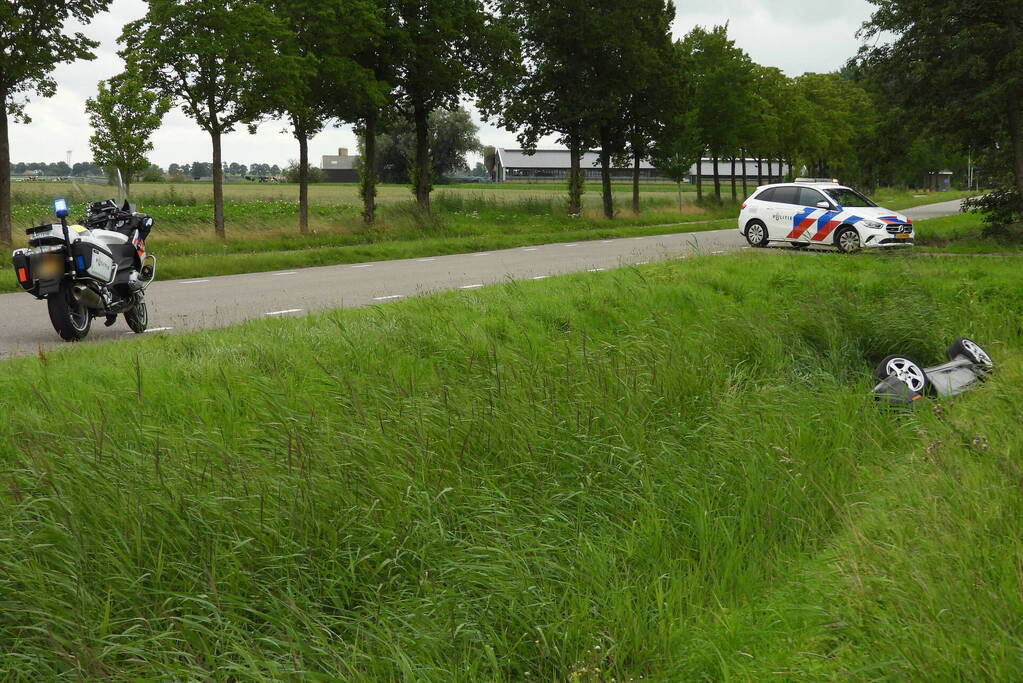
[[906, 370], [970, 349]]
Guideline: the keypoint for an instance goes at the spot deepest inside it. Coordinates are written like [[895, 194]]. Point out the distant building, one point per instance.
[[553, 165], [342, 168]]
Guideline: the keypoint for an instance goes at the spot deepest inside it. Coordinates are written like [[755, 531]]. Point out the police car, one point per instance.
[[821, 212]]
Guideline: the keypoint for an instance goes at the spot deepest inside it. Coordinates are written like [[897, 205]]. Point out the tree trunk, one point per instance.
[[5, 177], [760, 170], [368, 181], [635, 183], [605, 181], [1015, 133], [422, 169], [575, 189], [735, 192], [699, 179], [717, 178], [303, 180], [680, 197], [218, 188]]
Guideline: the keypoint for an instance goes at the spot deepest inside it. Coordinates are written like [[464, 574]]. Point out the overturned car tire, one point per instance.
[[972, 350], [908, 371]]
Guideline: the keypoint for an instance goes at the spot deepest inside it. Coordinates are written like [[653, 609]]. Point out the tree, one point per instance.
[[200, 169], [723, 83], [124, 114], [294, 173], [215, 58], [490, 161], [548, 94], [322, 40], [839, 119], [153, 174], [957, 68], [445, 47], [656, 86], [452, 136], [32, 43]]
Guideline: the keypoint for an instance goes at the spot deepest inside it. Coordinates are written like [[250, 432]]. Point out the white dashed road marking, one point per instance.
[[193, 282], [529, 249], [425, 260], [541, 277], [290, 310], [470, 286], [388, 298], [159, 329], [290, 272], [596, 270], [363, 265]]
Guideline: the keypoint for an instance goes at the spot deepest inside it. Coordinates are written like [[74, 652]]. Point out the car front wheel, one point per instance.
[[848, 240], [756, 234]]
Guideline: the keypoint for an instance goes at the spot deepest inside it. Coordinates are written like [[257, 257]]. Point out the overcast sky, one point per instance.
[[794, 35]]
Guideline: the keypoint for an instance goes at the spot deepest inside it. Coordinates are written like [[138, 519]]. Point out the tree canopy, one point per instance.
[[124, 114], [33, 42], [216, 59], [958, 66]]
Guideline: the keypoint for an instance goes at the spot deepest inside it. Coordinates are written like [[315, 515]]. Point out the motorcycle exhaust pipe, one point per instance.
[[86, 296]]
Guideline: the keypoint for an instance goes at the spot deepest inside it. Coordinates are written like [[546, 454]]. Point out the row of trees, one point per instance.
[[595, 74]]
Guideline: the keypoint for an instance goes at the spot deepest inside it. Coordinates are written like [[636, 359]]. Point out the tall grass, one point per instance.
[[671, 472]]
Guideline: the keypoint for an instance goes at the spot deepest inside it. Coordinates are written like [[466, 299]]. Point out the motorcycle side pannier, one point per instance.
[[93, 259]]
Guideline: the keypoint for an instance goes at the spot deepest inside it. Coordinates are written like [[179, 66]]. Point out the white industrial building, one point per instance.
[[554, 164]]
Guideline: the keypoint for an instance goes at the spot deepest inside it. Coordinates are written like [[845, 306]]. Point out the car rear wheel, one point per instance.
[[907, 370], [848, 240], [756, 234], [972, 350]]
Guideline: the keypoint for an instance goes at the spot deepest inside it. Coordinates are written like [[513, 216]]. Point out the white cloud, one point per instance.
[[795, 35]]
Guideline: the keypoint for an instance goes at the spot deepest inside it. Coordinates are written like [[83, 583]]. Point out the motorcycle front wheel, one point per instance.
[[70, 318], [137, 317]]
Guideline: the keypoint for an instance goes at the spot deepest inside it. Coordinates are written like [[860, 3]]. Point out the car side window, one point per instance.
[[808, 197], [767, 195], [786, 195]]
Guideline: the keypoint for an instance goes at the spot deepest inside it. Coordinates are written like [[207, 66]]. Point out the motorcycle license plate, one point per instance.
[[50, 266]]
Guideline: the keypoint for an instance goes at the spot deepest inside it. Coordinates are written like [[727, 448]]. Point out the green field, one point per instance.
[[671, 472], [263, 234]]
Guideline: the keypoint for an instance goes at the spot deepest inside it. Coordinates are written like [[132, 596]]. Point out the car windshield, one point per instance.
[[843, 196]]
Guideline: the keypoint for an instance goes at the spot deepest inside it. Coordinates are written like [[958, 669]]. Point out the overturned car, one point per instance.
[[902, 380]]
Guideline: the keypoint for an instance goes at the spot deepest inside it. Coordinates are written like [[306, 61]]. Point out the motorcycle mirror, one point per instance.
[[60, 208]]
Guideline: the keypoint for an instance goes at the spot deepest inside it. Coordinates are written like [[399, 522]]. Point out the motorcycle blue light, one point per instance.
[[80, 263], [60, 208]]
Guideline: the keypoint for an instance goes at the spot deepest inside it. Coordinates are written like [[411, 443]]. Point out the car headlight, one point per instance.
[[872, 225]]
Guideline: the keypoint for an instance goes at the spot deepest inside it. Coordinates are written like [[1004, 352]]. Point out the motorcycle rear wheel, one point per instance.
[[138, 316], [70, 318]]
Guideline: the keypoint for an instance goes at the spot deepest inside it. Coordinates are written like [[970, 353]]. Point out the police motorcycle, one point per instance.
[[99, 269]]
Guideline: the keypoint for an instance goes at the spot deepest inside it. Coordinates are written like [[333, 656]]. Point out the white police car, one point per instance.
[[825, 213]]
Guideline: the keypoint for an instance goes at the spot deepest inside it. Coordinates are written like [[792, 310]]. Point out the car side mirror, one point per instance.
[[823, 205]]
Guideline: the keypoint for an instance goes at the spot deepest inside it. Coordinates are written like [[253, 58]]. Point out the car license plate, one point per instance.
[[902, 236]]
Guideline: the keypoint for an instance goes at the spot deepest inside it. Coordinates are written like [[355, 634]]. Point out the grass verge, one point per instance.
[[963, 234], [671, 472]]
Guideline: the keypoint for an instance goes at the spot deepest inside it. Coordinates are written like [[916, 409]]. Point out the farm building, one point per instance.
[[553, 165], [340, 168]]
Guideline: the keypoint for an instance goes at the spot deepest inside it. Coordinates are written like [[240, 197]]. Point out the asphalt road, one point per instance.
[[185, 305]]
